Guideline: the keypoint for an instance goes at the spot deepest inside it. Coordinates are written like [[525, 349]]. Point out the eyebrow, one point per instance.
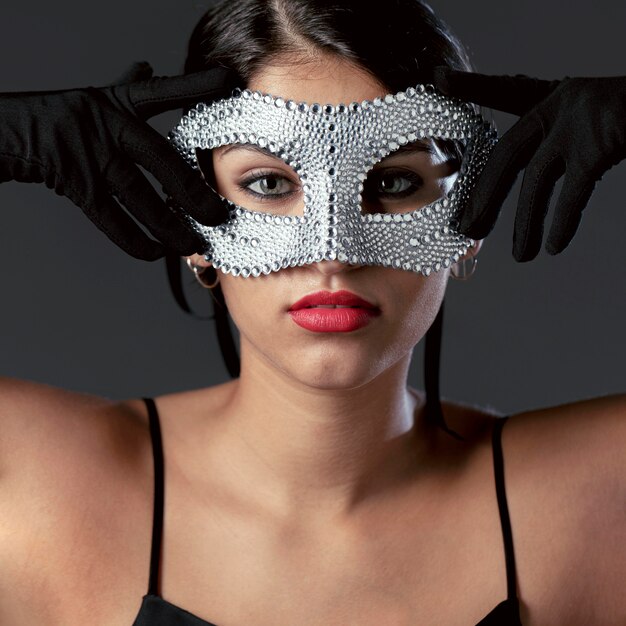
[[412, 147], [406, 149], [250, 147]]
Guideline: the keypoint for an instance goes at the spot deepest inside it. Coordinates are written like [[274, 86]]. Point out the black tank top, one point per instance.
[[156, 611]]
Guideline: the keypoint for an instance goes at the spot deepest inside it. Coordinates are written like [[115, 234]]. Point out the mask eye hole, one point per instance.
[[391, 184], [254, 178], [408, 179]]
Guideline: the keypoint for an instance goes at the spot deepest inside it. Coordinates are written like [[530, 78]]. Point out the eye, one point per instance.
[[267, 185], [392, 184], [389, 183]]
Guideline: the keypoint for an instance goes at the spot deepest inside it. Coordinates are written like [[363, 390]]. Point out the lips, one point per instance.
[[326, 299], [339, 312]]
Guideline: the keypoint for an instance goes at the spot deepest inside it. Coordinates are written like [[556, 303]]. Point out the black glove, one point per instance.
[[86, 144], [575, 127]]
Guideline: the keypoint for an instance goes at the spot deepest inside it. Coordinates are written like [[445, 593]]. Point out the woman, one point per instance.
[[315, 487]]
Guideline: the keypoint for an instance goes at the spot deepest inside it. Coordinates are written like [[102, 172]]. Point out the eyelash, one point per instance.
[[260, 175], [415, 179]]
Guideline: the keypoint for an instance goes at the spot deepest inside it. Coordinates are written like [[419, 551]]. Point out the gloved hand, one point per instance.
[[575, 127], [86, 144]]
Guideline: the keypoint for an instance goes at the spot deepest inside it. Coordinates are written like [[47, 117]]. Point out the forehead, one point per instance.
[[325, 78]]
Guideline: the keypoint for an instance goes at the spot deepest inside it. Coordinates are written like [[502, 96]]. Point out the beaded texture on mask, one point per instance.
[[332, 149]]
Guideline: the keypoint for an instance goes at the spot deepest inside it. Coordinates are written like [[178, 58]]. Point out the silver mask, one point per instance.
[[332, 149]]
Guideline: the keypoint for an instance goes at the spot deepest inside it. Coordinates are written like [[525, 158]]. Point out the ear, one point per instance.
[[197, 259], [474, 250]]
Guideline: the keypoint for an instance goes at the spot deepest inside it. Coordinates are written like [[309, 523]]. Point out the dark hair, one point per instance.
[[395, 41], [398, 42]]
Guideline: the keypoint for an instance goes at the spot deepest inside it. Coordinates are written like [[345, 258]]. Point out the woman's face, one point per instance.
[[408, 302]]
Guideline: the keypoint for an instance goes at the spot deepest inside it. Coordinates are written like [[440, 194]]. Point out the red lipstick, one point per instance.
[[339, 312]]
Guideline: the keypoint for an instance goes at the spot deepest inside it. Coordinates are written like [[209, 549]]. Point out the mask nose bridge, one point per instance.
[[331, 186], [337, 163], [337, 182], [348, 229]]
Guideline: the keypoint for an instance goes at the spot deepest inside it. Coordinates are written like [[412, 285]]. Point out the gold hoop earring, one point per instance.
[[464, 269], [196, 269]]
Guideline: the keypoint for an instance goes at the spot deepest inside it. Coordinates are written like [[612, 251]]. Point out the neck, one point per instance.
[[302, 450]]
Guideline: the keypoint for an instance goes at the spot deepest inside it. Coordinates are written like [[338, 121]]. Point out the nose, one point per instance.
[[333, 267]]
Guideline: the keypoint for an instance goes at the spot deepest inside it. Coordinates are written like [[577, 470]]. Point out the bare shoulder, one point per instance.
[[41, 424], [565, 469], [565, 476], [31, 411], [577, 450], [588, 434], [76, 478]]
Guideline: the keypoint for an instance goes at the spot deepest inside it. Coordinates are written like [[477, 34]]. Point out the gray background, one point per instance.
[[79, 313]]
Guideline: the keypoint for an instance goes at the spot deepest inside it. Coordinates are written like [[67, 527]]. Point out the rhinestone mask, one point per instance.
[[332, 149]]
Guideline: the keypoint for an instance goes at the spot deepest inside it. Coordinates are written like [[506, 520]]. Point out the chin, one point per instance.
[[337, 376], [332, 365]]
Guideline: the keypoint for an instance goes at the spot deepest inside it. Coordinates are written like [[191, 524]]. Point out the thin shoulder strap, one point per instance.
[[157, 520], [505, 520]]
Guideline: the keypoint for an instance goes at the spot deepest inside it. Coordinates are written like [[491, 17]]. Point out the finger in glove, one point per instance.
[[164, 93], [153, 152], [511, 94], [116, 224], [540, 177], [575, 194], [140, 70], [509, 157], [137, 195]]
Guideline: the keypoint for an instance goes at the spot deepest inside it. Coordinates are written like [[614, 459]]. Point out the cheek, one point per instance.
[[419, 304], [240, 296], [253, 303]]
